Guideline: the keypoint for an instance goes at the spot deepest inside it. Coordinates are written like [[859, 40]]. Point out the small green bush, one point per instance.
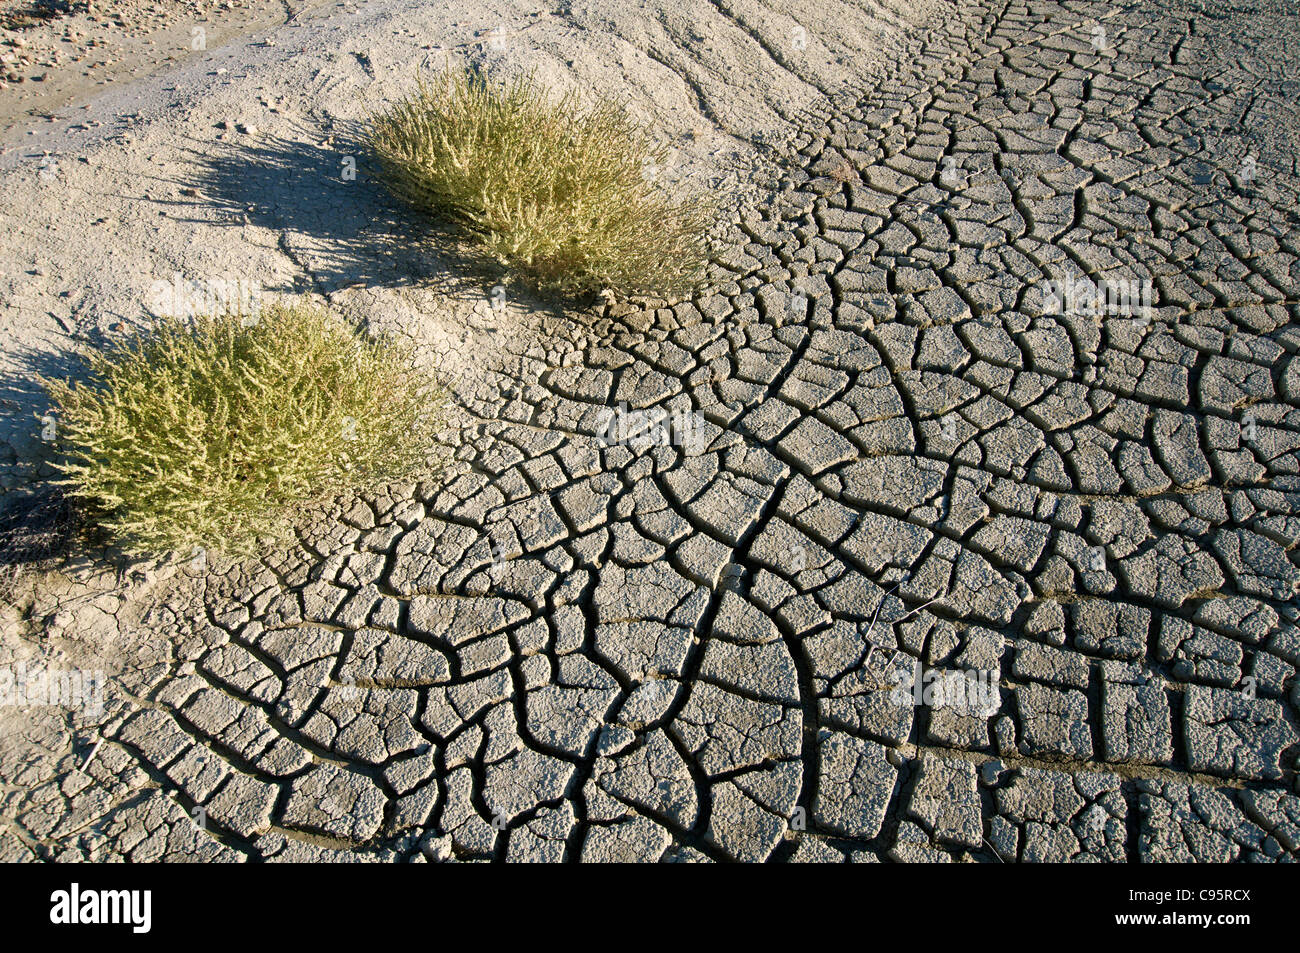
[[552, 190], [211, 433]]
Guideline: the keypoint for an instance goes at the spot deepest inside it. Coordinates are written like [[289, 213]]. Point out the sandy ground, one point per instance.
[[53, 53]]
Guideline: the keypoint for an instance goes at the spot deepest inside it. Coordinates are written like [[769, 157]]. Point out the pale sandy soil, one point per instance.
[[57, 52]]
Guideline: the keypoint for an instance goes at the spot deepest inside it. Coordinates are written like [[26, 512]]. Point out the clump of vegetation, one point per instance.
[[211, 433], [565, 195]]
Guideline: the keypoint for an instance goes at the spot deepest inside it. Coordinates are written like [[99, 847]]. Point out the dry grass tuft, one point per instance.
[[565, 195], [211, 433]]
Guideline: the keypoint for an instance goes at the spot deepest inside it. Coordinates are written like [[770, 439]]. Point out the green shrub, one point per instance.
[[552, 190], [211, 433]]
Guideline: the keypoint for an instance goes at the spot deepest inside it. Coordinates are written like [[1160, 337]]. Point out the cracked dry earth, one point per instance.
[[569, 650]]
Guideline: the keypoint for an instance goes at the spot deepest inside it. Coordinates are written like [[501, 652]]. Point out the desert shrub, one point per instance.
[[211, 432], [556, 191]]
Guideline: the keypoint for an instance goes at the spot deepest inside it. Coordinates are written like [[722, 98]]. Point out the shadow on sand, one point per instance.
[[334, 216]]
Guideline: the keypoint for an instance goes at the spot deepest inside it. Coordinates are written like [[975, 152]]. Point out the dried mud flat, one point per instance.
[[913, 446]]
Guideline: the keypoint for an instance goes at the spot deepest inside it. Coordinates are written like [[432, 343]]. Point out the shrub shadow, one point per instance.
[[25, 407], [333, 213], [41, 526]]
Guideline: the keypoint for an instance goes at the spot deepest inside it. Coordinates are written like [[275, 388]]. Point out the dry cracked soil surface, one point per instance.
[[912, 546]]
